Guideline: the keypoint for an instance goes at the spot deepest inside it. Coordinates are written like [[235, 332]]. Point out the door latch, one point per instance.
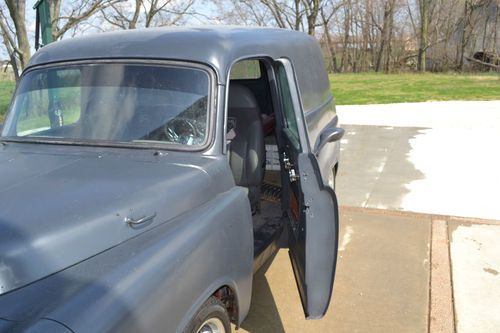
[[286, 162], [292, 175]]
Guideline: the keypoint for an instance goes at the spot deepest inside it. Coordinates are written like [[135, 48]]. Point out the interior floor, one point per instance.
[[270, 200], [268, 223], [269, 211]]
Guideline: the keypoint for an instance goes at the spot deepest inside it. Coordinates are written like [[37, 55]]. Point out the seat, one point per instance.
[[246, 150]]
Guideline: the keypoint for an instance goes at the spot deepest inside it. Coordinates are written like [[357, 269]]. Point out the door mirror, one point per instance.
[[330, 134]]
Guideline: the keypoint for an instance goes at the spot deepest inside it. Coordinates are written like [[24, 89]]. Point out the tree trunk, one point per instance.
[[495, 31], [55, 10], [345, 44], [312, 8], [384, 34], [463, 39], [329, 44], [424, 34], [17, 9], [133, 22], [366, 36], [387, 68]]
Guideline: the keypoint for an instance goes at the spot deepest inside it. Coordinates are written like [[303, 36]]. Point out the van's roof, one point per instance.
[[216, 46]]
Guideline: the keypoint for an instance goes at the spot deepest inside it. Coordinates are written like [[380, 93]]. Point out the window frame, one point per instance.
[[157, 145]]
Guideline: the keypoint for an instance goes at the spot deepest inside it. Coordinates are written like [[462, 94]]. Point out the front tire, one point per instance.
[[212, 317]]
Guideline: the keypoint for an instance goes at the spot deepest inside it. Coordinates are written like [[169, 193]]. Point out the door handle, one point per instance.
[[144, 219], [330, 134]]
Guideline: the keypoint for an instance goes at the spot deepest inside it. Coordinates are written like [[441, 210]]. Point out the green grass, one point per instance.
[[372, 88], [71, 116], [6, 90]]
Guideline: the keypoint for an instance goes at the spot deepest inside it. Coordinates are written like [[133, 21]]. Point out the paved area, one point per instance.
[[400, 271], [375, 171], [385, 291], [393, 275], [437, 157], [475, 254]]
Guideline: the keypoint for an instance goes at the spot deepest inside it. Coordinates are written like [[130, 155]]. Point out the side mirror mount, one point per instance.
[[330, 134]]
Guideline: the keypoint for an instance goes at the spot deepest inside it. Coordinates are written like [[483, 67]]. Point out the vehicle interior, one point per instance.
[[254, 155]]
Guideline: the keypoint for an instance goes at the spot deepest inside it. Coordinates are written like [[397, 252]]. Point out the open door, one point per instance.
[[312, 207]]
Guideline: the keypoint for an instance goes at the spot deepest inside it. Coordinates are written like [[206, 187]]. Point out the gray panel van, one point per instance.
[[147, 174]]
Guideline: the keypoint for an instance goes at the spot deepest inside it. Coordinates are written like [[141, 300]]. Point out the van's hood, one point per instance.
[[57, 208]]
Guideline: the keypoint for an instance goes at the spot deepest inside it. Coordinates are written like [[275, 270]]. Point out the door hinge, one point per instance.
[[286, 162]]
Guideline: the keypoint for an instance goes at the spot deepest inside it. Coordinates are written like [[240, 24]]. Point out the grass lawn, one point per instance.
[[6, 90], [372, 88]]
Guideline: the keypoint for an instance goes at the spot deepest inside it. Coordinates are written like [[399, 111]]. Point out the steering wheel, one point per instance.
[[180, 130]]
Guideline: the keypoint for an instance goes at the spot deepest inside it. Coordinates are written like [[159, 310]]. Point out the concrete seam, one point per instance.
[[454, 312], [442, 316], [430, 280]]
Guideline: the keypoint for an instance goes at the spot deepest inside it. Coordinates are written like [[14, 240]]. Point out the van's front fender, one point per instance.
[[156, 281]]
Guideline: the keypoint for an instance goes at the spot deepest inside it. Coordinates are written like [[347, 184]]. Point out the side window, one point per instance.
[[246, 70], [44, 108], [290, 120]]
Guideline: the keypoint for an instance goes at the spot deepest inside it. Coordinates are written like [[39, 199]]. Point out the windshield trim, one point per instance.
[[211, 108]]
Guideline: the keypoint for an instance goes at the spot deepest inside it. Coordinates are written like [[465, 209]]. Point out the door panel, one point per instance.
[[312, 207]]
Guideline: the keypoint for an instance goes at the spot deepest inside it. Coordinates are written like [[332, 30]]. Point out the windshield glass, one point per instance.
[[111, 102]]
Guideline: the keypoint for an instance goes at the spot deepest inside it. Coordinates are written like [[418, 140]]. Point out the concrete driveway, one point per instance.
[[408, 259], [436, 157]]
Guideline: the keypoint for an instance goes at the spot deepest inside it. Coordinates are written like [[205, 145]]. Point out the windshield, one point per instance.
[[113, 103]]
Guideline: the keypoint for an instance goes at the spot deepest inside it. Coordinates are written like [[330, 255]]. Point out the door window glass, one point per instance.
[[290, 119]]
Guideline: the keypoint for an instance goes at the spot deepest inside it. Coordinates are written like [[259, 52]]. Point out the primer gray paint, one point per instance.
[[71, 247]]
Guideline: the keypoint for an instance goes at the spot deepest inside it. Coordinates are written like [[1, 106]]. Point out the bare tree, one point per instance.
[[347, 27], [303, 15], [327, 12], [65, 17], [312, 10], [14, 34], [496, 27], [146, 13], [69, 15], [286, 14], [357, 35], [423, 6], [242, 12], [386, 33]]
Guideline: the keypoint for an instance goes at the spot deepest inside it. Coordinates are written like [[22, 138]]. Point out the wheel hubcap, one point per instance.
[[212, 325]]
